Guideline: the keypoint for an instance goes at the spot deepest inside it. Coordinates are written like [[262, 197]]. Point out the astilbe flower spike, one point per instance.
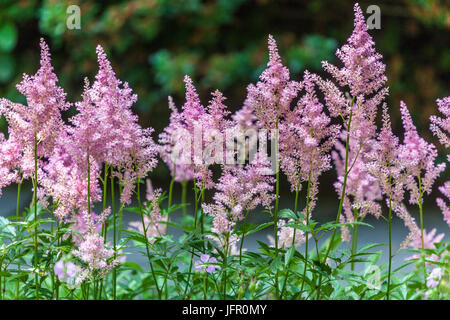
[[306, 137], [419, 157], [40, 119], [363, 75], [155, 223], [188, 144], [171, 153], [441, 128], [66, 174], [130, 150], [239, 189], [272, 95]]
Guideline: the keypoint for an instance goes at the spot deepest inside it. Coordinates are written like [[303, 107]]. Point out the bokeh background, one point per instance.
[[222, 44]]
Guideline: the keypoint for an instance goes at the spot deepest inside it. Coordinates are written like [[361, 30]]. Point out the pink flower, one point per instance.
[[441, 126], [40, 119], [206, 264], [434, 277], [306, 137], [419, 157], [155, 223], [445, 190], [363, 72], [66, 271], [92, 252], [271, 97], [129, 148], [286, 235]]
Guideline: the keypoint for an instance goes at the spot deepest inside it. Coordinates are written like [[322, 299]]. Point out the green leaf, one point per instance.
[[332, 225], [288, 256], [259, 227], [287, 214], [300, 226], [6, 228]]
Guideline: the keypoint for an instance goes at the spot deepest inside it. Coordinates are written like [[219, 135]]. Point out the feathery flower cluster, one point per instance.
[[286, 235], [39, 122], [189, 144], [385, 163], [99, 260], [71, 156], [206, 264], [240, 189], [155, 223], [419, 157], [441, 128], [130, 149], [271, 97], [306, 137], [410, 223], [363, 74]]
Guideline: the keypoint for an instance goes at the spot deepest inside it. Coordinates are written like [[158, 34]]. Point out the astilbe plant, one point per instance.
[[314, 124]]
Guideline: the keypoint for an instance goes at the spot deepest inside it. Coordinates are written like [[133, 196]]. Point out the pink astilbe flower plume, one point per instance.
[[362, 70], [306, 138], [66, 174], [240, 189], [271, 97], [188, 144], [40, 119], [170, 146], [362, 74], [384, 162], [419, 157], [441, 128], [130, 149], [98, 259], [155, 223], [445, 190]]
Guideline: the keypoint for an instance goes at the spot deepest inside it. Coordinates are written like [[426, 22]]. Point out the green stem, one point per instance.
[[243, 237], [183, 196], [341, 202], [293, 238], [421, 226], [195, 230], [225, 263], [105, 223], [113, 205], [277, 194], [355, 230], [144, 227], [19, 187], [390, 248], [306, 235], [36, 276], [170, 192]]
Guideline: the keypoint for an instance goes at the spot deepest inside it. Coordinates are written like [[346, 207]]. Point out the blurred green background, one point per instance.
[[222, 44]]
